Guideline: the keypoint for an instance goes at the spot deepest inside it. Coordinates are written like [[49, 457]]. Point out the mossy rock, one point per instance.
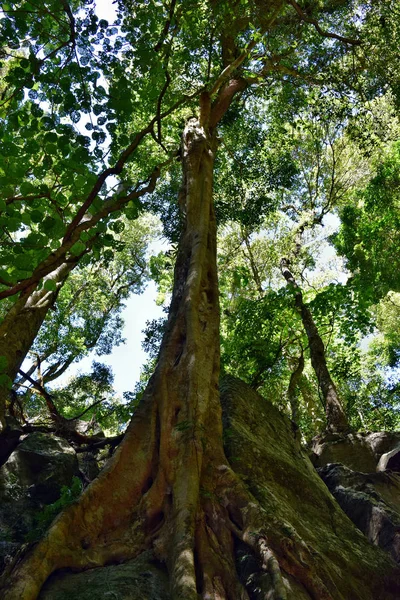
[[140, 579], [264, 448], [31, 478]]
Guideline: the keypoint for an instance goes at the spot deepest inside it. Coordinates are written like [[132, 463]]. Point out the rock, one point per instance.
[[88, 465], [88, 428], [9, 438], [371, 501], [382, 442], [31, 478], [140, 579], [390, 461], [265, 450], [362, 452], [352, 450]]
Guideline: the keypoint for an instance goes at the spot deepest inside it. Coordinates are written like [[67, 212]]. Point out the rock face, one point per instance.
[[359, 451], [264, 448], [352, 450], [31, 478], [361, 471], [383, 441], [390, 461], [372, 501], [139, 579]]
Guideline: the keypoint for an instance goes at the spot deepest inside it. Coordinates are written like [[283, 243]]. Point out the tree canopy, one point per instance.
[[263, 136]]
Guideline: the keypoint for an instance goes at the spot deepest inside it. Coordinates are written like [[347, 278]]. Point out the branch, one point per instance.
[[56, 258], [167, 25], [77, 225], [159, 104], [55, 415], [35, 384], [12, 199], [224, 100], [315, 23], [272, 63], [113, 441], [226, 73], [119, 165], [87, 410]]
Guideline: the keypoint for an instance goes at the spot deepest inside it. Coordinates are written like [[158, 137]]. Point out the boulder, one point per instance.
[[31, 478], [362, 452], [140, 579], [371, 501], [390, 461], [265, 450], [352, 450], [382, 442]]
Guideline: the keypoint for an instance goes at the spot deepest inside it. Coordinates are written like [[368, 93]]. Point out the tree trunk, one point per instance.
[[292, 388], [20, 327], [169, 485], [335, 415]]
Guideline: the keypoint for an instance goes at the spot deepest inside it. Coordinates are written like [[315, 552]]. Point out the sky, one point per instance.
[[105, 9]]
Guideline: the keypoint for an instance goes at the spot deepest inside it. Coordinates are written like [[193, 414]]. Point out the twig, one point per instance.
[[317, 26]]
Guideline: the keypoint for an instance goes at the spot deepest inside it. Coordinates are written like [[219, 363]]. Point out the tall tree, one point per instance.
[[174, 485]]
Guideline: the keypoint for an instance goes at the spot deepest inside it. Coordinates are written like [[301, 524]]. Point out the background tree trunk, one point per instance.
[[293, 384], [335, 416]]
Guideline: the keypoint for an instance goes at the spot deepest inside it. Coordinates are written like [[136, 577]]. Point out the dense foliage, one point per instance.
[[90, 118]]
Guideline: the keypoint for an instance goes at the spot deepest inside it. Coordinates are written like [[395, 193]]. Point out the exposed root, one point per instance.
[[270, 542], [98, 528]]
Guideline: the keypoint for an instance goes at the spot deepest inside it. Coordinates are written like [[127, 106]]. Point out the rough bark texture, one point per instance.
[[335, 415], [21, 325]]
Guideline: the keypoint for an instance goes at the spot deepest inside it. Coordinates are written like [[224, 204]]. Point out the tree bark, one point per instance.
[[335, 416], [21, 325], [293, 383]]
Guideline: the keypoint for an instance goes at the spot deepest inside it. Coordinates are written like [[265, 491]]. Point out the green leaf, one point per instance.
[[27, 188], [78, 248], [36, 216], [24, 262], [50, 285], [5, 381]]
